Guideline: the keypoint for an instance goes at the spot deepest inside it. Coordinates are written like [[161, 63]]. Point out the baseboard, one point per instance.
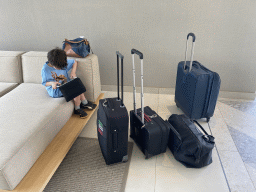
[[171, 91], [152, 90], [237, 95]]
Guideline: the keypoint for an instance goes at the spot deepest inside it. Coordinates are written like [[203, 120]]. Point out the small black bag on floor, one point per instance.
[[188, 144]]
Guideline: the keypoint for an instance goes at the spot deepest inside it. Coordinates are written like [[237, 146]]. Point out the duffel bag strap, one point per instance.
[[83, 40], [206, 137]]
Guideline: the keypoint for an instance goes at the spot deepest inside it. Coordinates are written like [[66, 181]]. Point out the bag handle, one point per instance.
[[192, 51], [134, 90], [122, 77], [83, 40], [207, 137]]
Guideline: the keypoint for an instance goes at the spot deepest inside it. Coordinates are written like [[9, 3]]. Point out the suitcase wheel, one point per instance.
[[208, 119], [125, 158], [147, 155]]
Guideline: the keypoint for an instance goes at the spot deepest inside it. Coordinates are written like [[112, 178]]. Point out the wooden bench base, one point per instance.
[[42, 171]]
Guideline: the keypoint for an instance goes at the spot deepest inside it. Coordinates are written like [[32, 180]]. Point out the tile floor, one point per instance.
[[234, 155]]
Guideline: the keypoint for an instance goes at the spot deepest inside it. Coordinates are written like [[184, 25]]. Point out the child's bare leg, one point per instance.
[[77, 101], [86, 104], [82, 97]]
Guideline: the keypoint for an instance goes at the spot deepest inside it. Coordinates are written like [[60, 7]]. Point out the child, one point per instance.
[[55, 69]]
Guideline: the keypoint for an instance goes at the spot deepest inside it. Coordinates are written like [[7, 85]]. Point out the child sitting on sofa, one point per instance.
[[58, 66]]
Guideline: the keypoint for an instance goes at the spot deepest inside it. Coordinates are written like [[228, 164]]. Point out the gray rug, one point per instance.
[[84, 169]]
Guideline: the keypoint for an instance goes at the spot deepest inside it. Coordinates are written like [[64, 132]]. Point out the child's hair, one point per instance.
[[58, 58]]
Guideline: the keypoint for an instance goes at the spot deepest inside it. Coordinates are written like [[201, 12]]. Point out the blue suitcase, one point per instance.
[[197, 88]]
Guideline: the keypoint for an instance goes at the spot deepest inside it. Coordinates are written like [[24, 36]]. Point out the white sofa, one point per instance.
[[29, 117]]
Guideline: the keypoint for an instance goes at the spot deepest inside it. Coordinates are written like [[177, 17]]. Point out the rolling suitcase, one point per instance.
[[112, 124], [149, 131], [197, 88]]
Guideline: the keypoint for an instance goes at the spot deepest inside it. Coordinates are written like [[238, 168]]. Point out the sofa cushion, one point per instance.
[[29, 120], [10, 63], [87, 71], [6, 87]]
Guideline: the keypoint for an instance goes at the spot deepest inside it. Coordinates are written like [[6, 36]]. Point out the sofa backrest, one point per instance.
[[32, 63], [87, 71], [10, 66]]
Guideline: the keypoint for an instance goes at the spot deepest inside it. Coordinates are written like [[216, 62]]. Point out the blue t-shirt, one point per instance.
[[47, 76]]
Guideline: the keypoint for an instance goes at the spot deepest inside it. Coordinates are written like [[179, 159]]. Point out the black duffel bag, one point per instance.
[[188, 144]]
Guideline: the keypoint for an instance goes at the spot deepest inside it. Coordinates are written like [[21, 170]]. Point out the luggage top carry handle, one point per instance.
[[134, 90], [122, 78], [192, 51]]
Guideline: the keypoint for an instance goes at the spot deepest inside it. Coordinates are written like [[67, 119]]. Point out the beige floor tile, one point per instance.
[[239, 120], [173, 176], [168, 105], [236, 173], [217, 113], [141, 176], [170, 91], [251, 169], [223, 139]]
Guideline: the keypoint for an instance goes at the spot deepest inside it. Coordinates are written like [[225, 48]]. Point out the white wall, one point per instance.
[[225, 35]]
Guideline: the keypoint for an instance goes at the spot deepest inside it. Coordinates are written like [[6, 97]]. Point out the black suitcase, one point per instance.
[[197, 88], [112, 125], [149, 131]]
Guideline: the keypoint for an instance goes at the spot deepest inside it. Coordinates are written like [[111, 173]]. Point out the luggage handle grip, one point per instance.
[[137, 52], [120, 55], [192, 35], [122, 77], [192, 52]]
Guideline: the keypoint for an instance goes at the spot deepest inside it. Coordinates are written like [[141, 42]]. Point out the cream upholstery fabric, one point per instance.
[[29, 120], [10, 66], [88, 71], [6, 87]]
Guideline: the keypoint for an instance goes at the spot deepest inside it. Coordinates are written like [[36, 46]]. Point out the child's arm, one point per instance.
[[73, 72], [53, 84]]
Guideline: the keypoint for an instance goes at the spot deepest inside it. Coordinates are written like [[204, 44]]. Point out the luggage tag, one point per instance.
[[146, 118]]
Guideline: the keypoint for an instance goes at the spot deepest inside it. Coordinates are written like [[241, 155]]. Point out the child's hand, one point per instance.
[[72, 75], [54, 85]]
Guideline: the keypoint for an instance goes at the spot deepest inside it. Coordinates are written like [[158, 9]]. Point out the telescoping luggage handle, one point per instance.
[[192, 51], [134, 90], [122, 78]]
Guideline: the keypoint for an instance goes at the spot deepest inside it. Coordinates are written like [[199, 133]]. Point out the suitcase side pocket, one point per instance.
[[213, 95]]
